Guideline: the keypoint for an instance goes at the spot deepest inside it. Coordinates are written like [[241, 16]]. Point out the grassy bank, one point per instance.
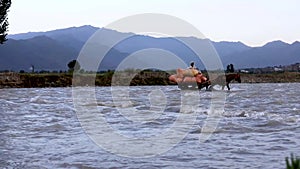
[[284, 77], [28, 80]]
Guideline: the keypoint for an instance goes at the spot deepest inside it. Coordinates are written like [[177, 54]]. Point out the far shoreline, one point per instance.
[[46, 80]]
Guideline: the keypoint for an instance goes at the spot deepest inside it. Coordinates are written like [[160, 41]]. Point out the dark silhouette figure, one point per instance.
[[192, 65], [4, 6], [230, 68]]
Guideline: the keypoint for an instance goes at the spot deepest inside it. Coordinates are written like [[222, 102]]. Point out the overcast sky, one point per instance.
[[253, 22]]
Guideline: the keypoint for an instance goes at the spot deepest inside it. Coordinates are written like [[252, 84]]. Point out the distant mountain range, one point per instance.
[[52, 50]]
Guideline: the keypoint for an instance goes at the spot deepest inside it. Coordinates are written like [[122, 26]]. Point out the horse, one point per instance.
[[224, 80]]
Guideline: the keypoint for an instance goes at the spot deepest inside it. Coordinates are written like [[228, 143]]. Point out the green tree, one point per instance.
[[4, 6], [74, 66]]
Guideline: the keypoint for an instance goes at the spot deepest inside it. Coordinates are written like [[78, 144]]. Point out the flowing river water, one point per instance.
[[259, 127]]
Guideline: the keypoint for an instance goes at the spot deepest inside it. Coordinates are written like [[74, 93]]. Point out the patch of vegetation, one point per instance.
[[292, 162]]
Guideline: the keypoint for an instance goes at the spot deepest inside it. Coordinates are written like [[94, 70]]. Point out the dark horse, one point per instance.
[[224, 80]]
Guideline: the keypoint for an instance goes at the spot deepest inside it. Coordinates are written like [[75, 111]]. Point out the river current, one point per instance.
[[258, 128]]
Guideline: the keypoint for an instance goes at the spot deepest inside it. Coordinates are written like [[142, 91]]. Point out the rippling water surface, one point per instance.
[[258, 128]]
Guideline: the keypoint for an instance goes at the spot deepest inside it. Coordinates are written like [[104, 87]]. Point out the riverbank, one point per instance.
[[27, 80], [280, 77]]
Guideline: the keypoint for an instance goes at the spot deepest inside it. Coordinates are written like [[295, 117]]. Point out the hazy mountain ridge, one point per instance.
[[53, 49], [42, 52]]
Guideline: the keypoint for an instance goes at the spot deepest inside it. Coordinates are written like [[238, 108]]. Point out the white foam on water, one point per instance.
[[38, 100]]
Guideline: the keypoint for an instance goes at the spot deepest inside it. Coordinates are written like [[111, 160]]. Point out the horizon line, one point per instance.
[[217, 41]]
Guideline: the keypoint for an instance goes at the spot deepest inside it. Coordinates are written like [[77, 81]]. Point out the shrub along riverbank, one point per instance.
[[30, 80]]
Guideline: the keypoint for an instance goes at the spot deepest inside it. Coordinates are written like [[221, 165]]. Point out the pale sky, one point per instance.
[[253, 22]]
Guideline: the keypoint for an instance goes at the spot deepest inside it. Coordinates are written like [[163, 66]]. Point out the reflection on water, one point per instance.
[[258, 129]]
